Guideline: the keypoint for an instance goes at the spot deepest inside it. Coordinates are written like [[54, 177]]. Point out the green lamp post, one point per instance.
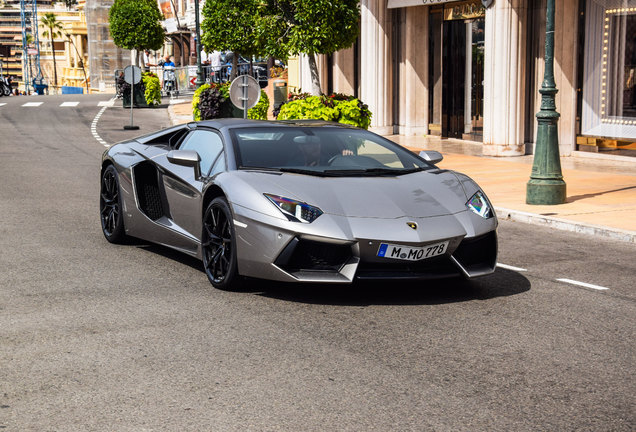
[[200, 81], [546, 185]]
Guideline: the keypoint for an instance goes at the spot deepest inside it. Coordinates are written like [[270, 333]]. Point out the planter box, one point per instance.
[[140, 98], [228, 110]]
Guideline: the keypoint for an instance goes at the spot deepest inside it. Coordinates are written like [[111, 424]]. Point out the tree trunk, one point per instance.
[[234, 72], [54, 65], [315, 76]]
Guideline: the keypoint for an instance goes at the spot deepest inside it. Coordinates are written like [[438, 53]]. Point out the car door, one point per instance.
[[183, 192]]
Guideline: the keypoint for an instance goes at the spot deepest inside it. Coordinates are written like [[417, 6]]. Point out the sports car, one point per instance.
[[296, 201]]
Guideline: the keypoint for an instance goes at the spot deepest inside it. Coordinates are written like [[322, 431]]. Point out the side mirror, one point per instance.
[[431, 156], [188, 158]]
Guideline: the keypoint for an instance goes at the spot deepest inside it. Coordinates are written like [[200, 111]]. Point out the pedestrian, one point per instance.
[[148, 60], [215, 65], [168, 62]]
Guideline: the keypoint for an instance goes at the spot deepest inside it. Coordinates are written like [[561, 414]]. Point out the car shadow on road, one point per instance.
[[169, 253], [502, 283]]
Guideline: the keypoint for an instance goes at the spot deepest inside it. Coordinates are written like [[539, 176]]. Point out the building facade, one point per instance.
[[69, 46], [71, 49], [471, 71], [11, 40], [104, 56]]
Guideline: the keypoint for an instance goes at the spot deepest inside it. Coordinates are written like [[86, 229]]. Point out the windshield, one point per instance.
[[323, 151]]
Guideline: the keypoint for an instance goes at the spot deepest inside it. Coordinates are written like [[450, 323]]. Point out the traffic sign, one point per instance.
[[245, 92], [132, 74]]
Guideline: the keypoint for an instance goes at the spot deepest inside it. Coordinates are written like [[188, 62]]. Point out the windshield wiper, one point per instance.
[[257, 168], [284, 170], [302, 171], [372, 172]]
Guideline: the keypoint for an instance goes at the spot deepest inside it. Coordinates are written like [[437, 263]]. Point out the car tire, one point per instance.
[[110, 208], [218, 244]]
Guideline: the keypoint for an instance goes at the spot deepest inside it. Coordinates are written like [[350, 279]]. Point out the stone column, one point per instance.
[[414, 92], [75, 51], [375, 65], [80, 48], [305, 74], [68, 52], [323, 71], [343, 71], [505, 78]]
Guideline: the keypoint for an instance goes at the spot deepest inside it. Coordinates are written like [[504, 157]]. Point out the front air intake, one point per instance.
[[309, 255], [477, 255]]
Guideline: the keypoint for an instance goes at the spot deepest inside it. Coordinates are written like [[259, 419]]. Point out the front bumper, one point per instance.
[[337, 254]]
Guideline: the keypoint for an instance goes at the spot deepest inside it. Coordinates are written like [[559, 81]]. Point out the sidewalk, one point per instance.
[[601, 194]]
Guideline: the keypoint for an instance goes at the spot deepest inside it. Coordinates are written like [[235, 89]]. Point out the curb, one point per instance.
[[177, 119], [566, 225]]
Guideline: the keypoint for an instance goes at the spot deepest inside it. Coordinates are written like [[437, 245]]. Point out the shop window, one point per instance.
[[609, 80]]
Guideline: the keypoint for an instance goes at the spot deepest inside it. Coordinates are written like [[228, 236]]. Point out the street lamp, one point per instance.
[[197, 37], [546, 185]]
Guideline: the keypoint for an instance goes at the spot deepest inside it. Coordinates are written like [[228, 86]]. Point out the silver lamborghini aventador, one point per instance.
[[298, 201]]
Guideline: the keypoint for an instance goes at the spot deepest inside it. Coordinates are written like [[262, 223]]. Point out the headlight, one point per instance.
[[295, 211], [480, 205]]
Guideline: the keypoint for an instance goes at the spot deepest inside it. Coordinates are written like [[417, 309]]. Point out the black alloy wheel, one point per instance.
[[110, 207], [219, 246]]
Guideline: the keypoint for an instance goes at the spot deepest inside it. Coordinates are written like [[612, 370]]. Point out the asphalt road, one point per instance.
[[97, 337]]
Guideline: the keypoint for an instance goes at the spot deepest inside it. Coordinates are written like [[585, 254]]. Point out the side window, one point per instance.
[[207, 143], [219, 165]]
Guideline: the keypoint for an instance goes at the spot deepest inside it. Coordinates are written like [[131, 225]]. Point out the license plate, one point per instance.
[[410, 253]]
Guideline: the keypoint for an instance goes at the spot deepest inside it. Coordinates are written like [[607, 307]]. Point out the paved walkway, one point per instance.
[[601, 193]]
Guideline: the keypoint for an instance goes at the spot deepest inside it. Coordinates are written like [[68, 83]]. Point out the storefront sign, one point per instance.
[[462, 11], [166, 9]]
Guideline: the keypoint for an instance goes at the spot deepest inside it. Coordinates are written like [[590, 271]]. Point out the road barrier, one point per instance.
[[186, 76]]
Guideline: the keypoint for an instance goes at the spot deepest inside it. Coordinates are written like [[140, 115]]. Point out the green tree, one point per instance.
[[311, 27], [53, 29], [233, 25], [135, 24]]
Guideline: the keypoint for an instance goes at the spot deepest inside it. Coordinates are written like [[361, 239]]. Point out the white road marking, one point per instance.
[[94, 127], [32, 104], [509, 267], [108, 103], [3, 104], [69, 104], [583, 284]]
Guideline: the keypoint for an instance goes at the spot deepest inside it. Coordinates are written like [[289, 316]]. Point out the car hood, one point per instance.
[[421, 194]]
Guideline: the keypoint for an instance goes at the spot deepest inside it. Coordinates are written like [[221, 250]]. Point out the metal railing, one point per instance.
[[186, 76]]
